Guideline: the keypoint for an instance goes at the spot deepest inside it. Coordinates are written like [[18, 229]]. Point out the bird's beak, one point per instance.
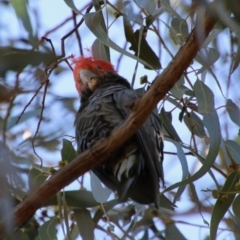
[[88, 78]]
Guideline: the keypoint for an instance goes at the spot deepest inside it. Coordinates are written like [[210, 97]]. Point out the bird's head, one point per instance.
[[87, 72]]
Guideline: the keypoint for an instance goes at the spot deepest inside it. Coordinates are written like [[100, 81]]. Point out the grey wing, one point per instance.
[[134, 170], [150, 143], [96, 121]]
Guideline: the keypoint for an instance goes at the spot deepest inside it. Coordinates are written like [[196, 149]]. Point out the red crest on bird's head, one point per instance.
[[97, 67]]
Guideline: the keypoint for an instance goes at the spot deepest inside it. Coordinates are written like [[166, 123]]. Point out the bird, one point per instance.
[[135, 170]]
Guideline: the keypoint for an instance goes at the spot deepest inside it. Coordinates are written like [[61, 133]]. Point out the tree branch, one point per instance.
[[102, 150]]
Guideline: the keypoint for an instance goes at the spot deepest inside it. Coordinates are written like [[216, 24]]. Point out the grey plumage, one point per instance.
[[133, 171]]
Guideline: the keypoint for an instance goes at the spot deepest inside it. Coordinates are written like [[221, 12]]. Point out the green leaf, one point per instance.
[[196, 200], [48, 231], [236, 60], [149, 6], [205, 97], [178, 90], [98, 9], [68, 152], [99, 51], [76, 199], [36, 178], [235, 206], [164, 202], [20, 235], [107, 206], [65, 214], [93, 22], [100, 193], [234, 150], [207, 57], [84, 223], [179, 193], [223, 202], [74, 234], [225, 154], [211, 122], [96, 5], [20, 7], [16, 59], [151, 18], [185, 170], [206, 64], [172, 232], [182, 159], [27, 115], [181, 114], [233, 112], [194, 124], [179, 29], [146, 52], [50, 145], [168, 125], [166, 4], [213, 34], [71, 4]]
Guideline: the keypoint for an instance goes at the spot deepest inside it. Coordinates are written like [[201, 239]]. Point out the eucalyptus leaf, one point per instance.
[[68, 152], [179, 29], [235, 206], [205, 97], [168, 125], [36, 178], [236, 60], [100, 193], [172, 232], [107, 206], [137, 41], [17, 59], [185, 170], [99, 51], [194, 124], [233, 111], [71, 4], [84, 223], [76, 199], [197, 201], [223, 202], [164, 202], [166, 4], [93, 22], [48, 231], [225, 154], [211, 122], [20, 7], [234, 150]]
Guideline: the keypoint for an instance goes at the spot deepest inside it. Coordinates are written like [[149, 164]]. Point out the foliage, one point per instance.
[[200, 115]]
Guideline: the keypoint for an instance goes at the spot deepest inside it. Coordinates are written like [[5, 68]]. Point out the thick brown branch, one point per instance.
[[98, 153]]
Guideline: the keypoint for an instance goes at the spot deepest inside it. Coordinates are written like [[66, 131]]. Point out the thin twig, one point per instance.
[[72, 31], [28, 104], [50, 41], [79, 40], [40, 120]]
